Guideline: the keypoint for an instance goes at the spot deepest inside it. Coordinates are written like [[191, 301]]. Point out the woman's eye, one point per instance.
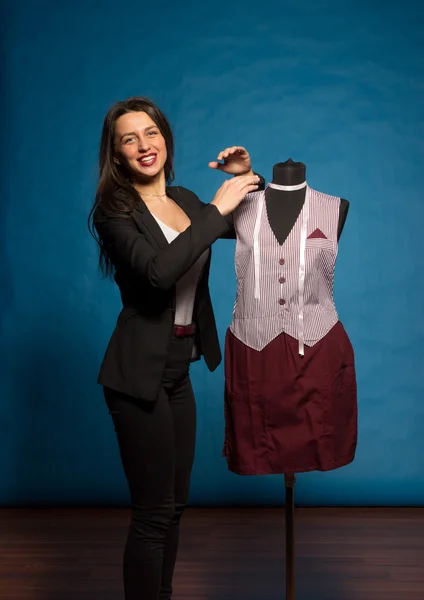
[[153, 133]]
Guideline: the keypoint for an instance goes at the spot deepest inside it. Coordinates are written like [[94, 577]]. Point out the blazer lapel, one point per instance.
[[148, 224], [177, 194]]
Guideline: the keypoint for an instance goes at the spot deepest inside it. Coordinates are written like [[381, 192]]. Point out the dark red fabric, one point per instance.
[[184, 330], [317, 234], [285, 413]]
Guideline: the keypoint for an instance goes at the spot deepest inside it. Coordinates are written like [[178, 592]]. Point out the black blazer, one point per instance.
[[147, 268]]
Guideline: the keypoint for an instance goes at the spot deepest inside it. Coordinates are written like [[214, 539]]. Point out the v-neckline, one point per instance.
[[297, 221], [152, 224], [178, 204], [164, 224]]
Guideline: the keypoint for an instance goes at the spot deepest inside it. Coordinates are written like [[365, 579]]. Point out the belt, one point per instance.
[[184, 330]]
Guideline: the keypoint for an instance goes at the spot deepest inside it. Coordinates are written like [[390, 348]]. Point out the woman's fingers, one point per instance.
[[251, 188], [231, 150], [232, 192], [244, 180]]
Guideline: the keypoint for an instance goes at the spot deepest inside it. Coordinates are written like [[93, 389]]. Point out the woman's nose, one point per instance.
[[143, 144]]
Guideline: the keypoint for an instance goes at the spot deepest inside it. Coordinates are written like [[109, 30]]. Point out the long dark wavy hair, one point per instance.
[[115, 191]]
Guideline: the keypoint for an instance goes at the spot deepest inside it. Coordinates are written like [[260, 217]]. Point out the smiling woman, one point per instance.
[[129, 127], [145, 134], [156, 240], [142, 150]]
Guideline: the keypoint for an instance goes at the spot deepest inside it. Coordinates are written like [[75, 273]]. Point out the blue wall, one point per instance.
[[337, 85]]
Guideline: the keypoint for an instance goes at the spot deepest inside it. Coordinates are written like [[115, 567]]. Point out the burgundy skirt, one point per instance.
[[288, 414]]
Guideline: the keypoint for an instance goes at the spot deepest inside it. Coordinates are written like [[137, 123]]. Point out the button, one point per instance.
[[282, 280], [282, 261], [282, 301]]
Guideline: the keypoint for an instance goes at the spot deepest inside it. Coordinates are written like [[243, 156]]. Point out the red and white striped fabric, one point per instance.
[[287, 288]]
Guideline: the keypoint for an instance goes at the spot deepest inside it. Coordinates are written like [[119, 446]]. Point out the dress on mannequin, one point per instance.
[[290, 383]]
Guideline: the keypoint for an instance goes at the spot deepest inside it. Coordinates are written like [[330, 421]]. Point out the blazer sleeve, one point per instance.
[[161, 268], [231, 233]]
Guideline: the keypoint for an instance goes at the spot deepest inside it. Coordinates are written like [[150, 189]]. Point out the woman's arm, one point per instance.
[[161, 268]]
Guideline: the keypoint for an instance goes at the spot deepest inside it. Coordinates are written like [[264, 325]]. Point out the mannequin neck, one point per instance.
[[289, 173]]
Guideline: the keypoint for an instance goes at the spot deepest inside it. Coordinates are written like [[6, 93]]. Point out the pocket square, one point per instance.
[[317, 234]]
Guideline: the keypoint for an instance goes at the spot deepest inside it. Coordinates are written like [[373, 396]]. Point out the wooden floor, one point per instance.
[[226, 554]]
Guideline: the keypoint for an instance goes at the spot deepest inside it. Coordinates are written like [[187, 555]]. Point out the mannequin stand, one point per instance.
[[289, 481]]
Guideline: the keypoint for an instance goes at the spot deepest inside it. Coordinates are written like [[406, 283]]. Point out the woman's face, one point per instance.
[[139, 145]]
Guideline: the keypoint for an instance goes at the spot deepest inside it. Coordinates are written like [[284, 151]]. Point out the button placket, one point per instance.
[[282, 280]]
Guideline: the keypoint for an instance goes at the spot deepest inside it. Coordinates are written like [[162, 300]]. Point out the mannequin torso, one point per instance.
[[283, 207]]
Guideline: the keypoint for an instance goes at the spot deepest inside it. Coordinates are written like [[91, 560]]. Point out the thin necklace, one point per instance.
[[153, 195]]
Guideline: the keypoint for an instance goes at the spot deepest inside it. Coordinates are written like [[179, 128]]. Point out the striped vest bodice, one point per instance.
[[289, 287]]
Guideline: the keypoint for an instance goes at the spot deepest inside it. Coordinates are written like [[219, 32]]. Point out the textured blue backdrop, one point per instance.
[[337, 85]]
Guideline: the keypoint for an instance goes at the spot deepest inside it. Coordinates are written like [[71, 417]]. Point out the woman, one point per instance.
[[156, 241]]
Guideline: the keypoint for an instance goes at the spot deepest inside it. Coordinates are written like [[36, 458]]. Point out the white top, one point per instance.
[[186, 287]]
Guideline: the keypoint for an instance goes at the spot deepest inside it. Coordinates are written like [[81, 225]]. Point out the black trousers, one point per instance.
[[156, 442]]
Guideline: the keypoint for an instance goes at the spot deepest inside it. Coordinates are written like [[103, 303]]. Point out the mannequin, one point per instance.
[[283, 207], [290, 383]]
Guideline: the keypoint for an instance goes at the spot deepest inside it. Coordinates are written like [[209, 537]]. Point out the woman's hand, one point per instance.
[[236, 161], [232, 192]]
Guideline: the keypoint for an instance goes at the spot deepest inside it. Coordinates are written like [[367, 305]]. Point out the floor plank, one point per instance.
[[225, 554]]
